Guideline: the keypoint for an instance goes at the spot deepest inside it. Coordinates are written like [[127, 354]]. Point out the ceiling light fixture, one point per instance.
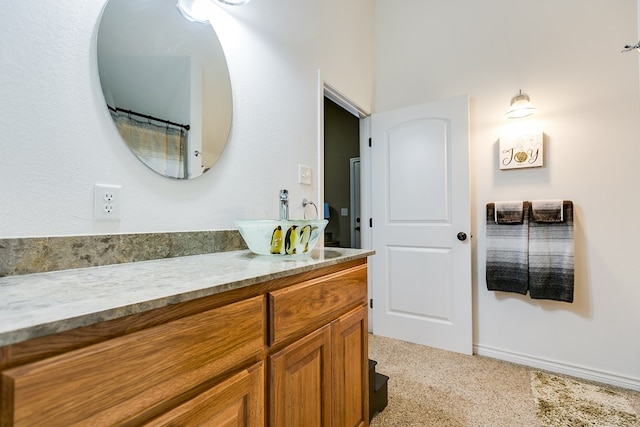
[[521, 106]]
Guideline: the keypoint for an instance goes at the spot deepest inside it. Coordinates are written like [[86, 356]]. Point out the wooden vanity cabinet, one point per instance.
[[320, 379], [287, 352]]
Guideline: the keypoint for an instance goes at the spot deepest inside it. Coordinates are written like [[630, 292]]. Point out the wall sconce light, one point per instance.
[[196, 10], [521, 106], [234, 2], [193, 10]]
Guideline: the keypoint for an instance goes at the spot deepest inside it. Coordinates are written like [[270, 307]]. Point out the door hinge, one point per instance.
[[370, 222], [371, 302], [369, 142]]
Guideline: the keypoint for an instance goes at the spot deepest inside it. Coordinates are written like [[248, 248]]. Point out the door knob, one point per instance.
[[462, 236]]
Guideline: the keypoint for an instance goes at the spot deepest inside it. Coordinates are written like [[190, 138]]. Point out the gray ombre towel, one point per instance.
[[507, 250], [551, 254], [547, 210]]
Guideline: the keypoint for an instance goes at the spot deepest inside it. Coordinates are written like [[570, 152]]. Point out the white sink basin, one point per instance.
[[281, 237]]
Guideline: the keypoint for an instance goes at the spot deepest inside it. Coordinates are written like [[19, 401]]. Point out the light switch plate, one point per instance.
[[304, 174]]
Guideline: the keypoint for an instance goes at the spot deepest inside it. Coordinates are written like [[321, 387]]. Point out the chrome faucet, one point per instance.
[[284, 204]]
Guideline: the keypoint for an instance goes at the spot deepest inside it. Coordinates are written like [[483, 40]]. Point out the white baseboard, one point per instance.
[[558, 367]]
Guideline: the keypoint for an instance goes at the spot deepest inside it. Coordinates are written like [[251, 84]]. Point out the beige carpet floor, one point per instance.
[[432, 387]]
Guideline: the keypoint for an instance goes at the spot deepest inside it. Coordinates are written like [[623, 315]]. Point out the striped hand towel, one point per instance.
[[547, 210], [551, 256], [507, 252]]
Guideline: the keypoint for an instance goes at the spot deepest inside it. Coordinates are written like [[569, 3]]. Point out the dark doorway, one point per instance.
[[341, 145]]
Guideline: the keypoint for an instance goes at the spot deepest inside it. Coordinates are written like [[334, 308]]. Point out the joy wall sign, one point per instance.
[[522, 150]]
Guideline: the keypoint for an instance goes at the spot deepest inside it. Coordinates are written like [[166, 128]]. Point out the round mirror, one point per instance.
[[166, 84]]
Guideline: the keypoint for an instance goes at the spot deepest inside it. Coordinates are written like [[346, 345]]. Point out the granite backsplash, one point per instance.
[[42, 254]]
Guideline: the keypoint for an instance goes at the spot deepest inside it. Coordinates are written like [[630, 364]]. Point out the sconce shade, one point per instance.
[[234, 2], [521, 106], [193, 10]]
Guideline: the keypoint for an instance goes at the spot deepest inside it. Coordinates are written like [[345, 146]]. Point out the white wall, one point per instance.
[[566, 55], [57, 140]]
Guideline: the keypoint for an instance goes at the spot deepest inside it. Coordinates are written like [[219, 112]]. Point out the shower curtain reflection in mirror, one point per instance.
[[161, 147]]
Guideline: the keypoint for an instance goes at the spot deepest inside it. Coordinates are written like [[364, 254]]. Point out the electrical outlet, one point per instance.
[[106, 202]]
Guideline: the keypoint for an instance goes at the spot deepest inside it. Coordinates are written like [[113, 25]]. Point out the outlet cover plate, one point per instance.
[[106, 202]]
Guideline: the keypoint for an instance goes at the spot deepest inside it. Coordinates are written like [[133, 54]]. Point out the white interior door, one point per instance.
[[421, 272]]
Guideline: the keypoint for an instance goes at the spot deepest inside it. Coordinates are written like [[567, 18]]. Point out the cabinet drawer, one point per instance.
[[237, 401], [302, 308], [119, 379]]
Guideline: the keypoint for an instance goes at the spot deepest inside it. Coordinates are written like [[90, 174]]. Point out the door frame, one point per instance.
[[325, 89], [354, 202]]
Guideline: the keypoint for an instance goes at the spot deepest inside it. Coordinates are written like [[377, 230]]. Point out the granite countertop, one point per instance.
[[36, 305]]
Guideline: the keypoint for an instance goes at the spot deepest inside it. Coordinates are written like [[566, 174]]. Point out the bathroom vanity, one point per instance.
[[229, 338]]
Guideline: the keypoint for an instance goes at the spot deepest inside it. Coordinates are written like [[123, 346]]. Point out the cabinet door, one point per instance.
[[350, 375], [301, 382], [236, 402]]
